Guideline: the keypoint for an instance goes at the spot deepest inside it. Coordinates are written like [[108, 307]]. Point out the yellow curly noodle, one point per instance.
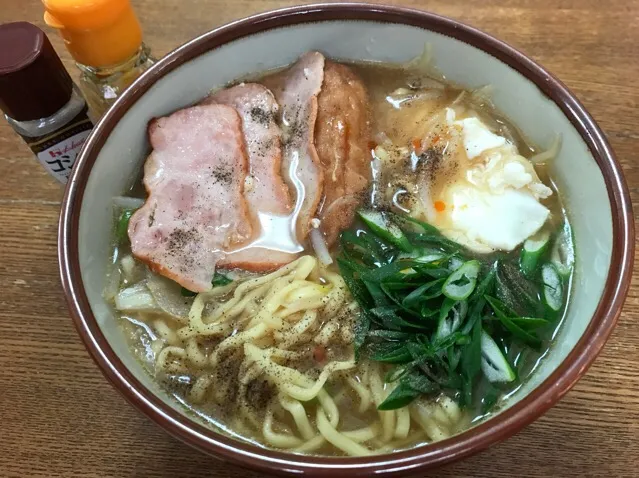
[[270, 326]]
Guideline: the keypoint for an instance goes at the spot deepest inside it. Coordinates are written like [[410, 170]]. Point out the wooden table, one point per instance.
[[60, 417]]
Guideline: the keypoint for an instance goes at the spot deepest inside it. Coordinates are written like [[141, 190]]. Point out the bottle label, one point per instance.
[[57, 151]]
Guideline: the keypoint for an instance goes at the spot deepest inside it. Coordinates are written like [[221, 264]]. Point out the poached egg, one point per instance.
[[493, 202]]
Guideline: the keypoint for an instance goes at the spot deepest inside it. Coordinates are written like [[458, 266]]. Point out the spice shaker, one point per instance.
[[105, 39], [39, 99]]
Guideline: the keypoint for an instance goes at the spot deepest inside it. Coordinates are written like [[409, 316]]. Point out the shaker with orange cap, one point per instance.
[[105, 39]]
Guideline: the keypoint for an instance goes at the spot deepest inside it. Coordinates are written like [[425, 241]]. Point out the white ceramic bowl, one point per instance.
[[589, 178]]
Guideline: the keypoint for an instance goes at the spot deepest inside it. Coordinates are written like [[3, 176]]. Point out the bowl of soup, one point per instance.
[[345, 238]]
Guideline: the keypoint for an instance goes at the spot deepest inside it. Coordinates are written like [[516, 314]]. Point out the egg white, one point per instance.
[[495, 203]]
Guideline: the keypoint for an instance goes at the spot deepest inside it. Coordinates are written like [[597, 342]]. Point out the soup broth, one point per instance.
[[307, 357]]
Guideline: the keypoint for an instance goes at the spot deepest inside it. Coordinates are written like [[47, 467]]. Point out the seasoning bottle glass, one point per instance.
[[39, 99], [105, 39]]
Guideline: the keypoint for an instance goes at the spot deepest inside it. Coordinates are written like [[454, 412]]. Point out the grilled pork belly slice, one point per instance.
[[195, 207]]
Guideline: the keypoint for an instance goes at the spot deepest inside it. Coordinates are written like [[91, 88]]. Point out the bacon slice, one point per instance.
[[195, 207], [268, 194], [257, 259], [342, 135], [258, 109], [296, 90]]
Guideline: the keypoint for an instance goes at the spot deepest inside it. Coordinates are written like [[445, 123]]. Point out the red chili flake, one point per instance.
[[440, 206], [319, 353]]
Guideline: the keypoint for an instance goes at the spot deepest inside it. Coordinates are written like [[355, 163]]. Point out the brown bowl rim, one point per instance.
[[494, 430]]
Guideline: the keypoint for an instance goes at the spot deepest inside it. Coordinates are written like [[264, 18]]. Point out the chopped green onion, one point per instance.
[[377, 293], [520, 294], [415, 225], [390, 319], [553, 287], [424, 255], [390, 352], [401, 396], [563, 252], [502, 313], [420, 294], [534, 247], [493, 362], [461, 283], [420, 382], [389, 334], [430, 240], [396, 269], [350, 272], [529, 323], [383, 228], [123, 225], [361, 329], [445, 326], [218, 281], [398, 301], [443, 316], [397, 373], [455, 263], [491, 395], [471, 362], [411, 385]]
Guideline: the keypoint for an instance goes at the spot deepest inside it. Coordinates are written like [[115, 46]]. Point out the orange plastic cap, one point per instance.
[[98, 33]]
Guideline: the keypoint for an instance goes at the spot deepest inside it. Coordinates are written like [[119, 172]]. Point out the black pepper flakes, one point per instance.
[[261, 116]]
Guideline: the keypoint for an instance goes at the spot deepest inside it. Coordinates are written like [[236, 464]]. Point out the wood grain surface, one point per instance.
[[59, 416]]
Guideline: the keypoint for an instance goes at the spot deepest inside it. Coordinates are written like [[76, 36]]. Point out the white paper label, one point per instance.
[[60, 158]]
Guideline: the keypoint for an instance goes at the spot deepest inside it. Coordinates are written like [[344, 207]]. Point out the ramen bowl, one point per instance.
[[590, 179]]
